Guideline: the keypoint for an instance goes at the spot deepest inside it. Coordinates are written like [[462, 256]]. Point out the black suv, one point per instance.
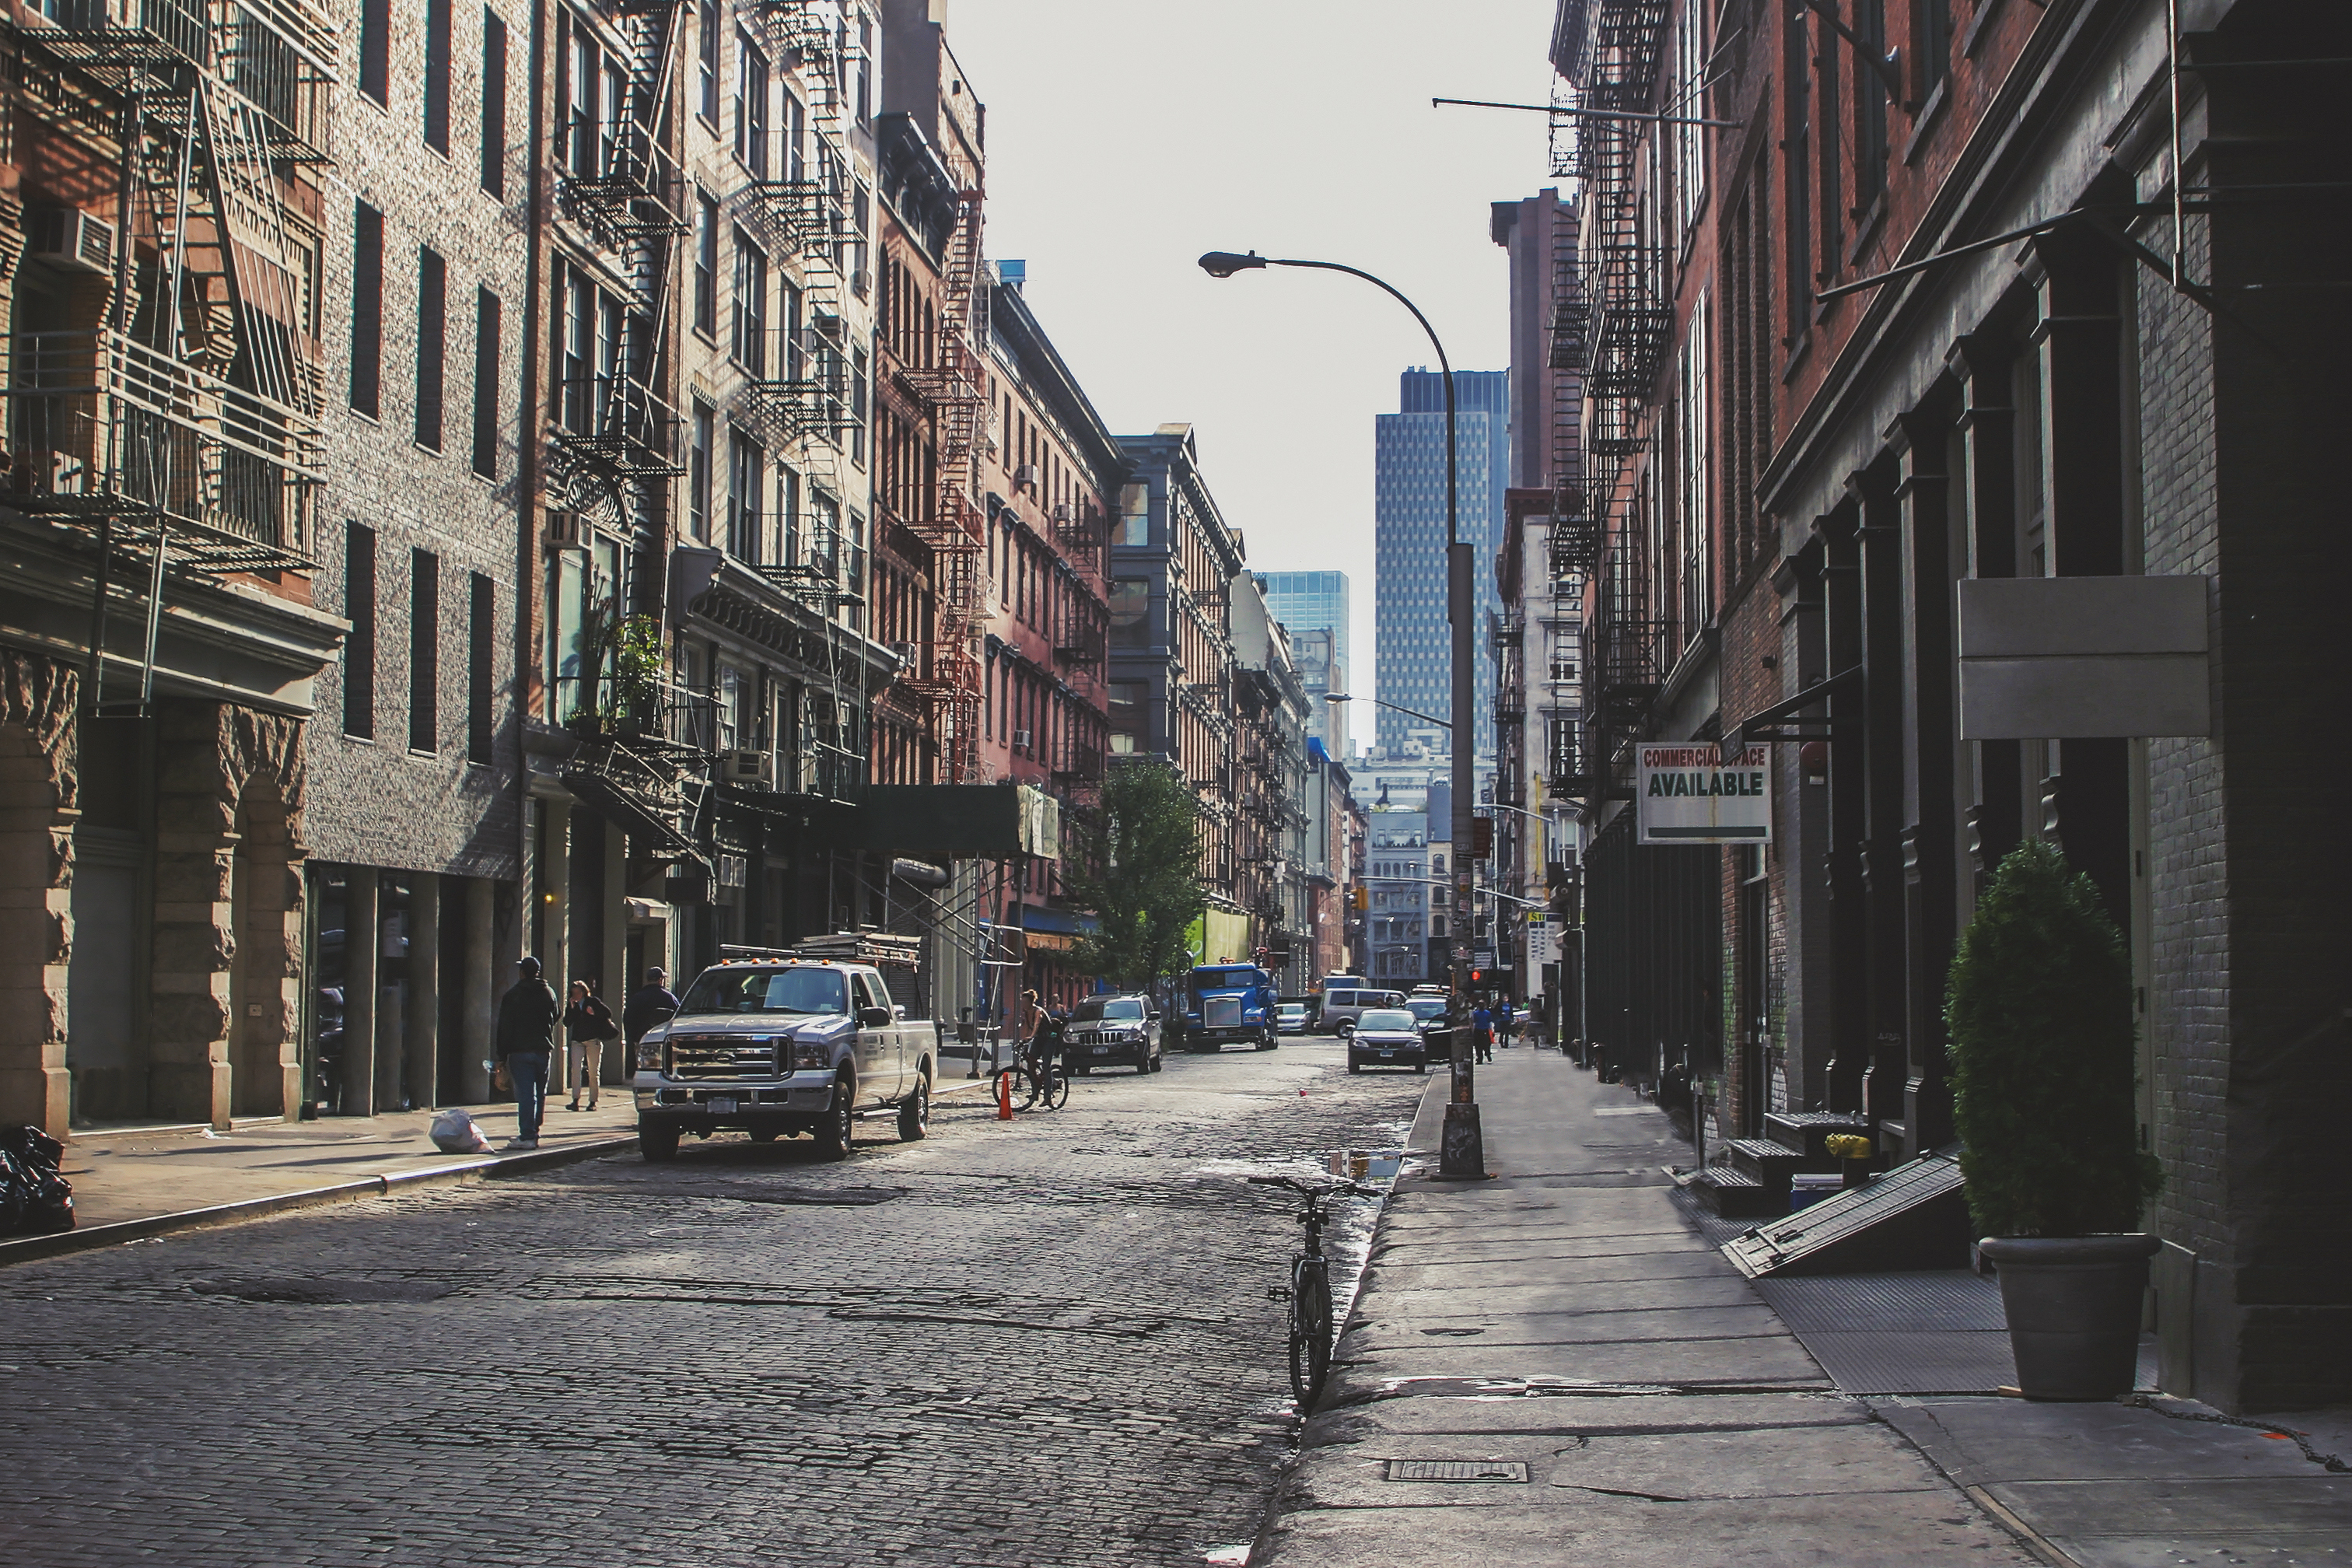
[[1112, 1031]]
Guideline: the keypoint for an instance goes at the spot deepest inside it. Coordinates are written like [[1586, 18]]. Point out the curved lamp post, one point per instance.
[[1465, 1152]]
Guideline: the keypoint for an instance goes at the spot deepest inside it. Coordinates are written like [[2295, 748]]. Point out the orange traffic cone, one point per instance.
[[1004, 1097]]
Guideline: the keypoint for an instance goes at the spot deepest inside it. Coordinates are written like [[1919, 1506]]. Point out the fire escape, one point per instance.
[[183, 429], [614, 436], [1618, 326], [952, 387]]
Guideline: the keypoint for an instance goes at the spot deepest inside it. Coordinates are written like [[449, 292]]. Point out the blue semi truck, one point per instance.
[[1225, 1003]]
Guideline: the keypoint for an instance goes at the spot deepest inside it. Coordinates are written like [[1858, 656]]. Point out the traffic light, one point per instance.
[[1362, 897], [1482, 838]]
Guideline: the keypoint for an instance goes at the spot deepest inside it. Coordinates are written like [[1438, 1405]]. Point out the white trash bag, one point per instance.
[[454, 1133]]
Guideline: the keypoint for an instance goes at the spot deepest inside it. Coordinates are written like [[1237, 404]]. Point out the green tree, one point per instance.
[[2040, 1014], [1141, 877]]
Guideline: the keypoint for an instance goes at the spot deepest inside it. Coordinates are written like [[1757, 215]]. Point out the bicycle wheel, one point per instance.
[[1016, 1088], [1310, 1330], [1056, 1089]]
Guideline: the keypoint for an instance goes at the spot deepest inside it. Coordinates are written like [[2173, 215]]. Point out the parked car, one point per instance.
[[1387, 1038], [1425, 1010], [1290, 1018], [1341, 1008], [1113, 1031], [782, 1045]]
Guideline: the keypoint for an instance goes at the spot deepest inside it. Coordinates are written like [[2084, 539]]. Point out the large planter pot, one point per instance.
[[2074, 1308]]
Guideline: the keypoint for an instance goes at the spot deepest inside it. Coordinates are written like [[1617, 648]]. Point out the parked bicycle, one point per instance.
[[1309, 1292]]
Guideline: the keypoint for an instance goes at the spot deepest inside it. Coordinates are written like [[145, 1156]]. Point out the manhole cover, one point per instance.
[[1456, 1470]]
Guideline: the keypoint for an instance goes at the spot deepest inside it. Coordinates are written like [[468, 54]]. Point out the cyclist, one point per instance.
[[1045, 1043]]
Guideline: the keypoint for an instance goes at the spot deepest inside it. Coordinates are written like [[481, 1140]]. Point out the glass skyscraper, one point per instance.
[[1415, 662], [1308, 601]]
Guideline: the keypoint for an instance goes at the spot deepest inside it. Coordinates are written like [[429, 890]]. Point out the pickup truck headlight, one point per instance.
[[811, 1054], [649, 1055]]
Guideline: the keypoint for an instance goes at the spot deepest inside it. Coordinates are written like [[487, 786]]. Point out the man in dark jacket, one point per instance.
[[649, 1005], [526, 1038]]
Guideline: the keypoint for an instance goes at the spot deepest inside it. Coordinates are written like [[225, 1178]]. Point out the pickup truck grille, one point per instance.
[[721, 1056], [1103, 1037], [1221, 1012]]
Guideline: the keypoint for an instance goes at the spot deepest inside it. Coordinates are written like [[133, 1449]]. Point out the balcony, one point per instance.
[[1081, 765], [617, 179], [122, 33], [616, 422], [277, 55], [102, 427]]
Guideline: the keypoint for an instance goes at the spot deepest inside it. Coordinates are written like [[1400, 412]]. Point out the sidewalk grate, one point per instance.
[[1456, 1470]]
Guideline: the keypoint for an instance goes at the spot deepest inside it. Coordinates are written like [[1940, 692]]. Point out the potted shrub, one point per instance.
[[2038, 1011]]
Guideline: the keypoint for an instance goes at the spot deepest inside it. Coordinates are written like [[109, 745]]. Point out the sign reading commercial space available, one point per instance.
[[1689, 795]]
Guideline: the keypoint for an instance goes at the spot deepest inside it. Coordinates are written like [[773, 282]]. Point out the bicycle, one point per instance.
[[1025, 1082], [1309, 1292]]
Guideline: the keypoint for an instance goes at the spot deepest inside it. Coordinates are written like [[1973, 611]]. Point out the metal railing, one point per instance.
[[619, 422], [102, 425]]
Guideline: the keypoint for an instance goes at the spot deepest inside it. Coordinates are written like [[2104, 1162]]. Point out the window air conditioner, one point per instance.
[[746, 767], [70, 238], [861, 284], [908, 654], [824, 326], [1020, 740], [1062, 512], [1026, 474], [564, 530]]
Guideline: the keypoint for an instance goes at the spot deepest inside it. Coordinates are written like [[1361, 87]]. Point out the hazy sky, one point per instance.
[[1125, 138]]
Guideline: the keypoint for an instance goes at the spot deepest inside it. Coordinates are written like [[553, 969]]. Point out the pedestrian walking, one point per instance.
[[1506, 1022], [527, 1014], [650, 1007], [1482, 1032], [587, 1025]]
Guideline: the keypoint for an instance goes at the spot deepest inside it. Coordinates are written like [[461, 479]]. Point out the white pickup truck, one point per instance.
[[782, 1044]]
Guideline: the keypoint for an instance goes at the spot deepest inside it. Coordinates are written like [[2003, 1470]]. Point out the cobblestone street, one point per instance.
[[1046, 1342]]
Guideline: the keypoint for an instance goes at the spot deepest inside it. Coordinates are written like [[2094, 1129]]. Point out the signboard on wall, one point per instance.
[[1543, 941], [1687, 794]]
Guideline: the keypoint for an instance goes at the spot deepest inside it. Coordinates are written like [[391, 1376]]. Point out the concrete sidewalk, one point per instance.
[[131, 1181], [1554, 1365]]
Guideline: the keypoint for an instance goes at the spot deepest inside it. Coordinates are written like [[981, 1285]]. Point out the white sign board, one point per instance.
[[1688, 795], [1543, 943]]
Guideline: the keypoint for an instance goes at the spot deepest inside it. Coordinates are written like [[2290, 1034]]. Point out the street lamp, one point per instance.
[[1465, 1151], [1391, 707]]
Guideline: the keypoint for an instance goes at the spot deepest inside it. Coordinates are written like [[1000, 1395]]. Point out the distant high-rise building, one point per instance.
[[1306, 601], [1415, 661]]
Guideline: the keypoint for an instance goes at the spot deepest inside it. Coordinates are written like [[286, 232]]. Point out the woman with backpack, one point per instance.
[[587, 1025]]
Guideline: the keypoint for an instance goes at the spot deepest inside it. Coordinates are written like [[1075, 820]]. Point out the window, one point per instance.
[[705, 264], [864, 93], [746, 480], [707, 43], [748, 339], [1798, 174], [793, 356], [485, 384], [359, 646], [1870, 102], [1690, 141], [375, 49], [367, 310], [423, 651], [794, 128], [1127, 719], [589, 353], [1134, 515], [857, 406], [750, 105], [481, 670], [1931, 35], [436, 74], [697, 473], [578, 136], [432, 345], [730, 704], [494, 104], [788, 517], [1693, 546], [1130, 613]]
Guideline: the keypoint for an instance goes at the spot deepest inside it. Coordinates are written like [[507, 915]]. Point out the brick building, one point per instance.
[[160, 641], [1951, 312], [414, 765]]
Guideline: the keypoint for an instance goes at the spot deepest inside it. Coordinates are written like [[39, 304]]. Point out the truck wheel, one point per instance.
[[915, 1113], [840, 1118], [657, 1141], [1269, 1041]]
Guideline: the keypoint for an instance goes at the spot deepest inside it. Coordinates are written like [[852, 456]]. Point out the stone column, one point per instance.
[[481, 987], [1988, 423], [361, 938], [613, 982], [35, 902], [1931, 731], [1880, 749], [188, 1074], [423, 1025]]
